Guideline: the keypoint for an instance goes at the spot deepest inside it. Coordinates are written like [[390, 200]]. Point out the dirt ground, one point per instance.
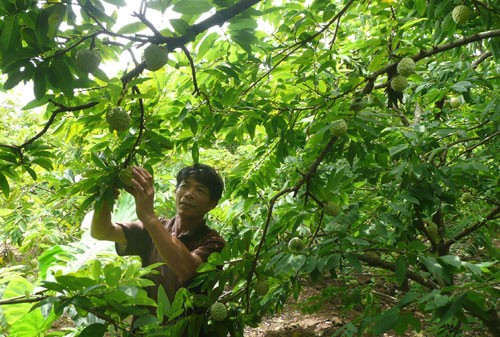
[[293, 322]]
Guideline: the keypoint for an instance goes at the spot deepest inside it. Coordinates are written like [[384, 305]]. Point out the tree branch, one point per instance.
[[492, 215], [218, 19], [470, 149], [305, 177], [375, 261], [193, 70], [430, 52], [50, 121]]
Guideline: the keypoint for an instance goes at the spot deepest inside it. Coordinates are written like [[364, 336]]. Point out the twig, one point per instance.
[[492, 215], [193, 70], [470, 149]]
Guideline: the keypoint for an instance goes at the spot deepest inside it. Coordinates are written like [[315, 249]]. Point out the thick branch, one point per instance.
[[378, 262], [430, 52], [218, 19]]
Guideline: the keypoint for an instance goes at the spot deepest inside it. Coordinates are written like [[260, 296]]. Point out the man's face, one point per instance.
[[192, 199]]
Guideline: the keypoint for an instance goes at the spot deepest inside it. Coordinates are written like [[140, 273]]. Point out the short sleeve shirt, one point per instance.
[[203, 242]]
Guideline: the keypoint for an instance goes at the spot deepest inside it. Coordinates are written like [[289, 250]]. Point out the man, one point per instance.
[[181, 243]]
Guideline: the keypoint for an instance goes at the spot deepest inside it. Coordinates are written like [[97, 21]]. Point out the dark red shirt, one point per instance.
[[203, 242]]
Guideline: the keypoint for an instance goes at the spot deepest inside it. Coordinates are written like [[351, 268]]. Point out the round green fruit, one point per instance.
[[118, 119], [455, 102], [218, 311], [432, 230], [295, 244], [261, 287], [125, 175], [461, 14], [406, 66], [339, 127], [88, 60], [399, 83], [155, 57], [467, 197], [332, 209]]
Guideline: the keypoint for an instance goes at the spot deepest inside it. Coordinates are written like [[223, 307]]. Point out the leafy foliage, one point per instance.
[[255, 90]]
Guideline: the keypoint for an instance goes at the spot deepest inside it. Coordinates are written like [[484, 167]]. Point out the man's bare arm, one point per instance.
[[103, 228]]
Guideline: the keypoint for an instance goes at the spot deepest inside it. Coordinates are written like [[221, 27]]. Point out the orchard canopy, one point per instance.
[[317, 132]]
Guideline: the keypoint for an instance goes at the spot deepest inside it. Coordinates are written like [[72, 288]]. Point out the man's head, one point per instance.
[[205, 175]]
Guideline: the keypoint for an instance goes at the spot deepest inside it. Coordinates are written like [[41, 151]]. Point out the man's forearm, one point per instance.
[[102, 226], [101, 221]]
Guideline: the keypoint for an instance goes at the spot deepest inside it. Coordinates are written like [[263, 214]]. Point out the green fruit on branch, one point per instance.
[[88, 60], [467, 197], [399, 83], [406, 66], [218, 311], [125, 175], [432, 231], [295, 245], [261, 287], [339, 128], [461, 14], [455, 102], [118, 119], [332, 209], [155, 57]]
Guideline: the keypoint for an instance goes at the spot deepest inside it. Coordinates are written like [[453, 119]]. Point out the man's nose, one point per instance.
[[189, 192]]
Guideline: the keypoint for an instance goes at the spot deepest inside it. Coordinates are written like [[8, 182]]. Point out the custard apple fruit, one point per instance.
[[467, 197], [88, 60], [261, 287], [295, 244], [432, 230], [461, 14], [118, 119], [455, 102], [339, 127], [406, 66], [155, 57], [332, 209], [218, 311], [399, 83], [125, 175]]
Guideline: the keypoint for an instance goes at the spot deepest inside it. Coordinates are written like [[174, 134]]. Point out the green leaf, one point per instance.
[[40, 85], [112, 275], [118, 3], [452, 308], [93, 330], [421, 6], [4, 185], [132, 28], [195, 153], [16, 288], [192, 7], [32, 324], [386, 321], [163, 308], [401, 267]]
